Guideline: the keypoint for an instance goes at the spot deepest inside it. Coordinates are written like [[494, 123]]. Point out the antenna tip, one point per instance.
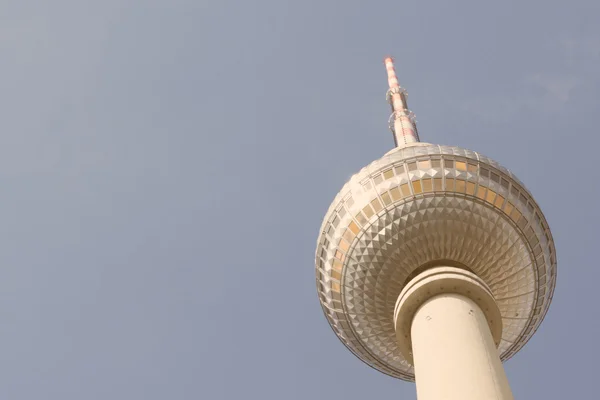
[[388, 59]]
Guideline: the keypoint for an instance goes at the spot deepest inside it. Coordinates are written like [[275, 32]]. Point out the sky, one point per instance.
[[165, 166]]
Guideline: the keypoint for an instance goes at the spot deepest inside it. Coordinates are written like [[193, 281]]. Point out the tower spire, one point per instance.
[[402, 122]]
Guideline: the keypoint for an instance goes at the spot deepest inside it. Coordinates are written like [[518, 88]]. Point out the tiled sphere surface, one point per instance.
[[419, 204]]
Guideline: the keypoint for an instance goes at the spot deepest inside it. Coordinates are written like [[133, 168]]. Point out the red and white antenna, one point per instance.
[[402, 122]]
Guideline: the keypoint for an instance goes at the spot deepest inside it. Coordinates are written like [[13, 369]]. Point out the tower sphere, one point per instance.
[[419, 206]]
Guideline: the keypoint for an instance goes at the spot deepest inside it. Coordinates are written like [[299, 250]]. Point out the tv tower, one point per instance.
[[436, 263]]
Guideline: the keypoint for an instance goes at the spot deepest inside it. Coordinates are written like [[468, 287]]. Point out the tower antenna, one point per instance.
[[402, 122]]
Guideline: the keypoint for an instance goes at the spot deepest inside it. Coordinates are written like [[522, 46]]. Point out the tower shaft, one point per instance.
[[455, 357], [448, 326]]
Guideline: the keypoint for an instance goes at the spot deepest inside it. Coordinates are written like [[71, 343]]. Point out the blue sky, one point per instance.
[[165, 167]]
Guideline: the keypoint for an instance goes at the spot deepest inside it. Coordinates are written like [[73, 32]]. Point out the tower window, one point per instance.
[[490, 196], [480, 192], [405, 190], [417, 187], [499, 201], [427, 185], [450, 184], [470, 188], [495, 177], [386, 198], [376, 204]]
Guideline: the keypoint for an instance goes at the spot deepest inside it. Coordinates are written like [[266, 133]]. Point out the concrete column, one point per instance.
[[454, 354], [448, 325]]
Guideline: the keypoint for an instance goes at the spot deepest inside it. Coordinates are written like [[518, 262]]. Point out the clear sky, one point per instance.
[[165, 165]]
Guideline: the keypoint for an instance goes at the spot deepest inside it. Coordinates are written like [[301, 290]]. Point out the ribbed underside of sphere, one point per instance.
[[421, 204]]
